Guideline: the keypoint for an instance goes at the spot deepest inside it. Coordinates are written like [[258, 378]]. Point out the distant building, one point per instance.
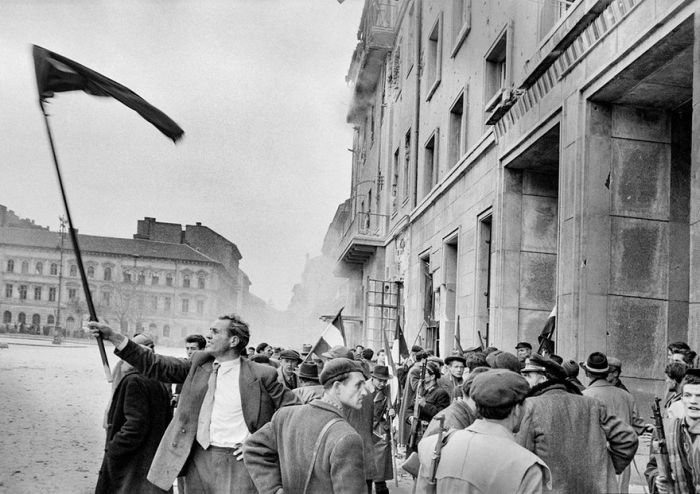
[[509, 156], [167, 281]]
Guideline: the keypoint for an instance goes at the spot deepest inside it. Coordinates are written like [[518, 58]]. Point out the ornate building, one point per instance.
[[167, 281]]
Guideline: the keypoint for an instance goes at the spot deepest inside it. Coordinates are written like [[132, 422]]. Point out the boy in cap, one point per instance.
[[289, 359], [452, 381], [524, 350], [312, 447], [484, 457]]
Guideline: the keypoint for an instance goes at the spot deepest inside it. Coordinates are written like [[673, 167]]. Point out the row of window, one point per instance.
[[90, 272], [70, 323], [106, 298]]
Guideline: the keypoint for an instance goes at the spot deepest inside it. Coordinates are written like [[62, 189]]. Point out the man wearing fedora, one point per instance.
[[452, 381], [618, 402], [309, 388], [312, 448], [383, 413], [583, 443], [289, 359]]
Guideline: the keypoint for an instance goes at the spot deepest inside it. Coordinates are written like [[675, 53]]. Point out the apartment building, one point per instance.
[[512, 156]]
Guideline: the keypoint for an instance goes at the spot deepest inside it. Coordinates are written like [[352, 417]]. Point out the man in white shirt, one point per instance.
[[224, 399]]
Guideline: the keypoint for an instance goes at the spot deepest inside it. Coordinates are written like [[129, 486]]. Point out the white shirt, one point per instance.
[[228, 426]]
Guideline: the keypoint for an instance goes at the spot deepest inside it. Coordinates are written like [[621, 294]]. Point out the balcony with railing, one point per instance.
[[362, 237], [376, 34]]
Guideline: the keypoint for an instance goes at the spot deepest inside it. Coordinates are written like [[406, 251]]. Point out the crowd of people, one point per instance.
[[236, 418]]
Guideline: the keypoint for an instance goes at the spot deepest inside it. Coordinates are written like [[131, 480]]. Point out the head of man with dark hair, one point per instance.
[[251, 351], [193, 343], [676, 347], [228, 337], [367, 354], [675, 372], [474, 360], [261, 348], [685, 356]]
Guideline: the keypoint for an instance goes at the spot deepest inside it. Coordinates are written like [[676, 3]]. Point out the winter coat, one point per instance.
[[436, 400], [382, 447], [137, 417], [261, 395], [362, 421], [581, 442], [307, 394], [452, 385], [278, 456], [290, 382]]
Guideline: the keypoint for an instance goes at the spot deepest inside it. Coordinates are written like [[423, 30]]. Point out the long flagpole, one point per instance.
[[76, 248]]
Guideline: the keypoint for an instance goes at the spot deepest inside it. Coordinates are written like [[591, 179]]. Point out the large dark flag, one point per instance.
[[458, 340], [403, 347], [56, 73]]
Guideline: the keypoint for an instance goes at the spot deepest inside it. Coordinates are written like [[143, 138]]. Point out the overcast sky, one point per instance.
[[257, 85]]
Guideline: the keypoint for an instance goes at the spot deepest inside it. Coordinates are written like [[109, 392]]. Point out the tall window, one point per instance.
[[7, 317], [73, 270], [185, 305], [497, 75], [52, 294], [431, 171], [50, 320], [410, 41], [167, 304], [457, 130], [36, 320], [10, 266], [395, 181], [200, 282], [434, 57], [108, 274], [39, 268], [169, 280], [406, 164], [70, 323], [22, 318], [142, 279], [91, 271], [186, 281], [72, 293], [200, 307], [25, 267], [37, 293], [155, 279], [53, 269], [154, 303], [8, 291], [127, 277], [23, 292], [107, 298], [461, 22]]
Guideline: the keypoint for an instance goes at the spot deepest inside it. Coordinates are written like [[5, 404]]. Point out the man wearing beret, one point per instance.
[[484, 457], [312, 448], [289, 359], [582, 443], [224, 399]]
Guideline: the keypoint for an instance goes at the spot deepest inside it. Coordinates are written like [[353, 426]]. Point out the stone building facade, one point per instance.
[[167, 281], [510, 157]]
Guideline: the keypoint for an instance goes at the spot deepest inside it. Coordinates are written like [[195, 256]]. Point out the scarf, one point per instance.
[[683, 458]]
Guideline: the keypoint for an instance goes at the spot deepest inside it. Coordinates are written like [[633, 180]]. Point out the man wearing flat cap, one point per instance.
[[224, 399], [617, 401], [289, 359], [484, 457], [452, 381], [312, 448], [582, 443]]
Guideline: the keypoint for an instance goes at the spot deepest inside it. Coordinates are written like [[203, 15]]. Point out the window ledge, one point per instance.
[[432, 89]]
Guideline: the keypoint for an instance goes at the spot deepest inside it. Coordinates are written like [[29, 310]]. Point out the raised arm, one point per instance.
[[159, 367]]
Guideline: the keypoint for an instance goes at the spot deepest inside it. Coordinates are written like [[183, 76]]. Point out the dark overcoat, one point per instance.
[[137, 418], [382, 445], [581, 442], [279, 454], [362, 420], [261, 395]]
